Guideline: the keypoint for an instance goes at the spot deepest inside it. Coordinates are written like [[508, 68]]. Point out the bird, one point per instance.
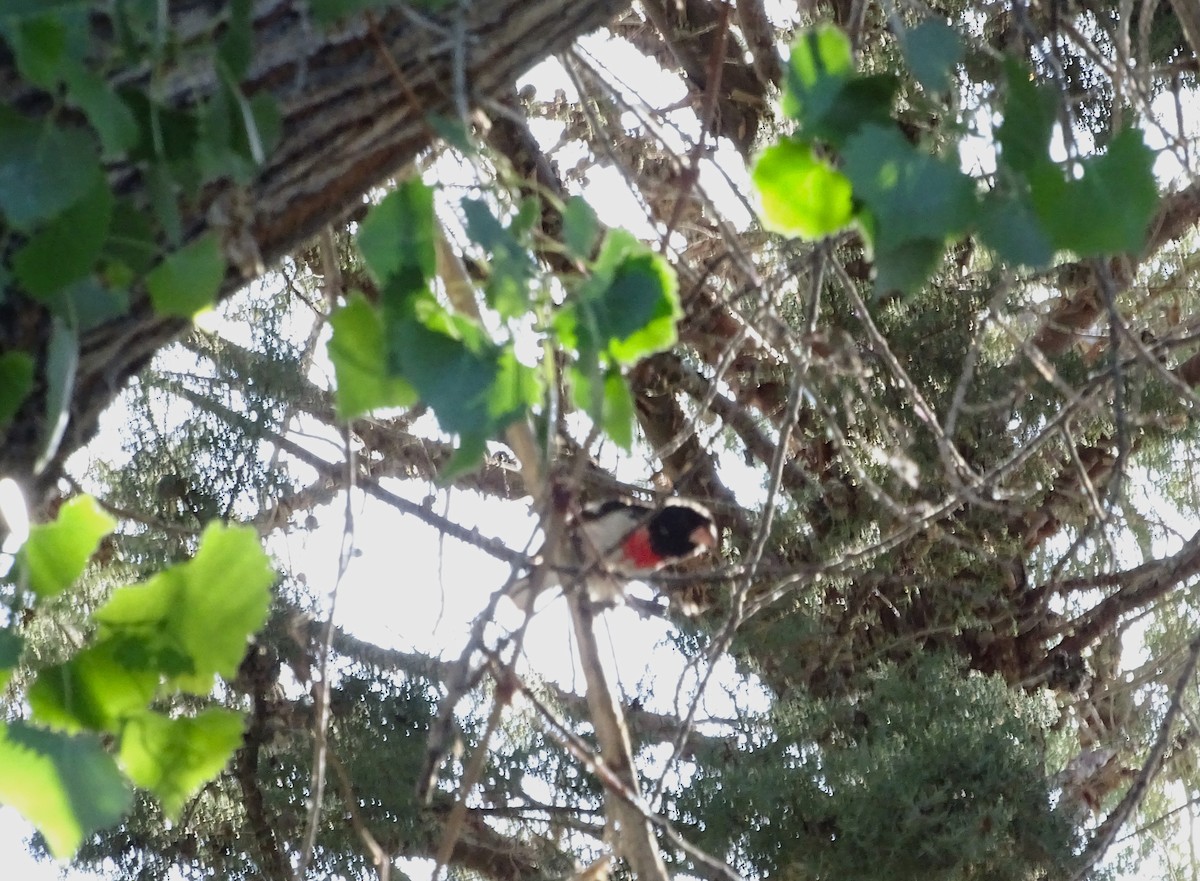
[[613, 542]]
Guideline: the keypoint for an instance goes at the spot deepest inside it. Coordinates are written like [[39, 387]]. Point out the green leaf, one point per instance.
[[16, 380], [603, 394], [932, 50], [188, 279], [236, 132], [237, 45], [39, 44], [131, 242], [862, 101], [67, 786], [173, 758], [164, 200], [581, 228], [801, 194], [91, 303], [906, 266], [911, 194], [618, 416], [510, 266], [165, 134], [11, 645], [641, 308], [97, 688], [266, 121], [1008, 226], [136, 26], [456, 377], [61, 363], [820, 63], [398, 237], [18, 9], [1106, 210], [1029, 114], [452, 130], [517, 387], [109, 115], [628, 308], [205, 609], [357, 352], [56, 553], [66, 248], [825, 95], [470, 451], [44, 169], [482, 226]]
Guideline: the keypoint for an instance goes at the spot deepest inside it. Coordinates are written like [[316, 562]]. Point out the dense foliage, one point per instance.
[[908, 304]]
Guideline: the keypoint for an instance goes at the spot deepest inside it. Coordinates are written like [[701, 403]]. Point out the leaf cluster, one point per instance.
[[170, 635], [70, 240], [850, 165], [410, 346]]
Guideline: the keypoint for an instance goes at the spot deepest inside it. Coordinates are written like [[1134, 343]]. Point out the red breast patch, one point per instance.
[[637, 550]]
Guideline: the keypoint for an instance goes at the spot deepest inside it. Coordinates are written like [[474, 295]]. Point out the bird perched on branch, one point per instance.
[[617, 541]]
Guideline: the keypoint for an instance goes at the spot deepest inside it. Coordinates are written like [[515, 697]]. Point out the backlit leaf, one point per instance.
[[205, 609], [173, 758], [454, 376], [56, 553], [96, 688], [11, 645], [1008, 226], [906, 266], [821, 61], [801, 194], [510, 267], [356, 349], [618, 414], [628, 308], [1029, 114], [1108, 208], [66, 785], [397, 238], [581, 228], [823, 92]]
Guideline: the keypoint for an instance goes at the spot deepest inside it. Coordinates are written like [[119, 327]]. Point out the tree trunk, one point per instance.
[[355, 100]]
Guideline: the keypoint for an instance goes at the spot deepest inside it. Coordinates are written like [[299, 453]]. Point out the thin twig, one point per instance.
[[322, 691]]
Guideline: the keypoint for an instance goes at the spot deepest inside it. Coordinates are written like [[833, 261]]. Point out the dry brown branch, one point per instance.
[[367, 483], [1104, 836], [707, 866], [1139, 588], [634, 839]]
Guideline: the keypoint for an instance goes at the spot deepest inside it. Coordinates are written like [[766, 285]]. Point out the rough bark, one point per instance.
[[355, 102]]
